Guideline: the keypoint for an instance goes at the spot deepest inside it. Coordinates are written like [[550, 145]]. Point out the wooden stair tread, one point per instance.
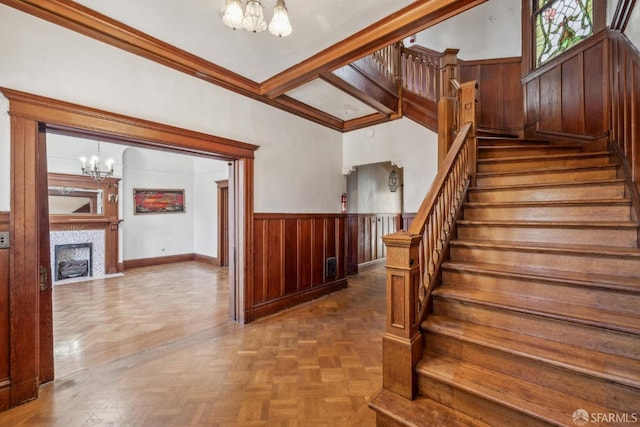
[[546, 203], [550, 224], [545, 170], [626, 322], [547, 405], [420, 412], [591, 363], [571, 156], [622, 252], [592, 280], [571, 184]]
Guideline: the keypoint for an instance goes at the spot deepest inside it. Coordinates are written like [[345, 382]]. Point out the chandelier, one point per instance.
[[252, 18], [94, 170]]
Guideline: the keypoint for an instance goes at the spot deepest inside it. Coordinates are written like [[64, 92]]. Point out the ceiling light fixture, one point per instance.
[[94, 170], [252, 18]]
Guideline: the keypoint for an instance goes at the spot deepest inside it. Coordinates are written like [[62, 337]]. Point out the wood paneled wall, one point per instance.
[[364, 242], [5, 375], [592, 93], [568, 96], [500, 96], [625, 101], [290, 254]]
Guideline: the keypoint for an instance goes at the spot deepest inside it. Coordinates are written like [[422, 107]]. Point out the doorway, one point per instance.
[[31, 117]]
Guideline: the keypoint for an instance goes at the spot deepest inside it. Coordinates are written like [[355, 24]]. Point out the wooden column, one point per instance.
[[446, 126], [448, 71], [24, 262], [468, 113], [402, 341]]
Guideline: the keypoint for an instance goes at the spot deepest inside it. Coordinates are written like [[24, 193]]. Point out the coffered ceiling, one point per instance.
[[189, 35]]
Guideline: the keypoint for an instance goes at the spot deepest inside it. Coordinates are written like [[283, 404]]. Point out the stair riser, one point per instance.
[[581, 336], [506, 151], [583, 192], [487, 411], [611, 300], [542, 374], [584, 263], [545, 212], [542, 162], [626, 237], [548, 177]]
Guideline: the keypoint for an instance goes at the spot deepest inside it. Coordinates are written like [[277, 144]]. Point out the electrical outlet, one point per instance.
[[4, 239]]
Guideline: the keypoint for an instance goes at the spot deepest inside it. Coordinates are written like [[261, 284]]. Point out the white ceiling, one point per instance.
[[196, 27]]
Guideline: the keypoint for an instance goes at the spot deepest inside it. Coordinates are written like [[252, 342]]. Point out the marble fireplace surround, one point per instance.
[[67, 237]]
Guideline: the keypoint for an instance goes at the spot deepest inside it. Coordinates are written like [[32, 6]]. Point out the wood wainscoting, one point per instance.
[[5, 375], [290, 260], [500, 96], [365, 248]]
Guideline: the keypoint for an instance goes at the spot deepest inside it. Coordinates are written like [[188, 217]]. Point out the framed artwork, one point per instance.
[[155, 201]]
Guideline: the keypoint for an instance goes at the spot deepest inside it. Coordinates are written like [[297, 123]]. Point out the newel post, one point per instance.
[[402, 341], [468, 113]]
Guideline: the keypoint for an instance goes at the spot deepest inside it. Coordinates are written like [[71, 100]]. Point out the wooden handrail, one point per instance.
[[414, 257]]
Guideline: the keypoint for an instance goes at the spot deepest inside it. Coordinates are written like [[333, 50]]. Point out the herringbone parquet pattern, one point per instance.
[[155, 348]]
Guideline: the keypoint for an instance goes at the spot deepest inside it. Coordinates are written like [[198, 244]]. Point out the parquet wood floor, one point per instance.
[[155, 348]]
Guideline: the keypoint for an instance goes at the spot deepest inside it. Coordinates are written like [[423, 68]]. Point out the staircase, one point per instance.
[[538, 313]]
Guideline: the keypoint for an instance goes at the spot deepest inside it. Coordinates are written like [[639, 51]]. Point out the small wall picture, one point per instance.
[[153, 201]]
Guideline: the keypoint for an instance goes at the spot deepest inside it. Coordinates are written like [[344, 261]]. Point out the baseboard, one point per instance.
[[365, 266], [290, 301], [147, 262], [207, 259], [120, 267]]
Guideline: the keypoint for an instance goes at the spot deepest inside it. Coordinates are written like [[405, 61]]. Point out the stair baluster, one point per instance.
[[414, 257]]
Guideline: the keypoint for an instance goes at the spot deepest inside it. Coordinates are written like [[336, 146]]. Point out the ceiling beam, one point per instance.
[[419, 15], [351, 81], [413, 18]]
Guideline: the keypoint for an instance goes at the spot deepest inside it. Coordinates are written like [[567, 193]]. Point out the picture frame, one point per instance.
[[158, 201]]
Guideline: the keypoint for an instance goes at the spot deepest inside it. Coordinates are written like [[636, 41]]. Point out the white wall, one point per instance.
[[633, 27], [155, 235], [489, 30], [403, 142], [298, 165], [368, 190]]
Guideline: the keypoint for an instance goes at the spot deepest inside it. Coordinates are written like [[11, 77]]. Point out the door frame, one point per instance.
[[28, 114]]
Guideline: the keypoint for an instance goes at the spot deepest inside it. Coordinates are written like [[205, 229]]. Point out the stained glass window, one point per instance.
[[561, 24]]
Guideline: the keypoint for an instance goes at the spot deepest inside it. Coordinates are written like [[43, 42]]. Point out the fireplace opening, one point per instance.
[[73, 260]]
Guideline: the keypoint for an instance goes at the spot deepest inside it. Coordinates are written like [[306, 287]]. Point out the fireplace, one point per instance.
[[72, 261]]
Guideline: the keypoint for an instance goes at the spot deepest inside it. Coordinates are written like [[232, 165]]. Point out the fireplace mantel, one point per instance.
[[106, 220]]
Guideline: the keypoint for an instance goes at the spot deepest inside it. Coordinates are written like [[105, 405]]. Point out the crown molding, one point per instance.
[[417, 16]]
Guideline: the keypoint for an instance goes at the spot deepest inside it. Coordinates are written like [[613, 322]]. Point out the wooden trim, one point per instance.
[[5, 219], [370, 265], [622, 161], [60, 115], [28, 113], [274, 215], [366, 121], [5, 380], [417, 16], [88, 22], [120, 267], [291, 253], [294, 106], [622, 14], [280, 304], [147, 262], [206, 259]]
